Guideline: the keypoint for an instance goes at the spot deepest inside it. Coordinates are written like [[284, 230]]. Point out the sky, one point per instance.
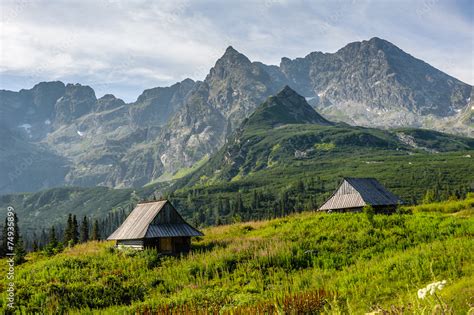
[[124, 47]]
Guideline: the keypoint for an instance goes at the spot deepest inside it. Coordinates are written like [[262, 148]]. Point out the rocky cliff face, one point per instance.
[[25, 165], [371, 83], [116, 144], [77, 101], [108, 102], [108, 142], [155, 106], [30, 105], [467, 116], [376, 83], [86, 141], [237, 86], [231, 91]]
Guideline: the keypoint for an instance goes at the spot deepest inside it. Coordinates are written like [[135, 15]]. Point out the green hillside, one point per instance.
[[285, 131], [256, 150], [287, 107], [295, 167], [340, 263], [284, 158]]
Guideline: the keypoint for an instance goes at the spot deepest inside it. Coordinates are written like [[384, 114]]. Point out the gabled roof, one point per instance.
[[358, 192], [139, 224]]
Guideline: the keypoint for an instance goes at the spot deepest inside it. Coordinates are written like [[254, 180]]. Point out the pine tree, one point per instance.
[[53, 241], [217, 218], [75, 230], [84, 230], [53, 245], [275, 209], [282, 207], [239, 205], [231, 210], [430, 196], [43, 239], [19, 251], [220, 206], [227, 206], [284, 204], [35, 247], [4, 239], [69, 230], [300, 186], [95, 231], [254, 202], [195, 219]]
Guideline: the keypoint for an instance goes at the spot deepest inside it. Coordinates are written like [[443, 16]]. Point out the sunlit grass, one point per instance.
[[450, 206], [356, 266]]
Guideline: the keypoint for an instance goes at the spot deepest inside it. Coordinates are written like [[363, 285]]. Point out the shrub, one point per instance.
[[369, 213]]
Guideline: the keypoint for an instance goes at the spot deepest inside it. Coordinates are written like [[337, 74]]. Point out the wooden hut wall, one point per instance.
[[181, 244], [167, 215], [169, 244]]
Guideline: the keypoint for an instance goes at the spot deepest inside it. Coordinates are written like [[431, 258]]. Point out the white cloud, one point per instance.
[[151, 43]]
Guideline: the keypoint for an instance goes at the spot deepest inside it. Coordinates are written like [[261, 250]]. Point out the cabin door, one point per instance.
[[166, 245]]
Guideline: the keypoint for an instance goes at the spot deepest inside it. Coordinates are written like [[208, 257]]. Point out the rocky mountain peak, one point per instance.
[[108, 97], [374, 81], [235, 86], [78, 89], [49, 86], [108, 101], [188, 81], [286, 107], [372, 48], [288, 92], [231, 59], [379, 42], [371, 83], [77, 101], [231, 52], [44, 95]]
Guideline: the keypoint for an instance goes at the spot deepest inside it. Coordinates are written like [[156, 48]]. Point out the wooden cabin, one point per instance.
[[355, 193], [157, 225]]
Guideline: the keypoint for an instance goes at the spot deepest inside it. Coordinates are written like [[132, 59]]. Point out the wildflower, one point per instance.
[[422, 293], [431, 288]]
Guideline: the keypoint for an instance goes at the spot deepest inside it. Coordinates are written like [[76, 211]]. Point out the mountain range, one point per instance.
[[59, 134], [281, 144], [285, 129]]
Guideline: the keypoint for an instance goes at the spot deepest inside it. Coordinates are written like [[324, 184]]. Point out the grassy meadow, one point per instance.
[[307, 262]]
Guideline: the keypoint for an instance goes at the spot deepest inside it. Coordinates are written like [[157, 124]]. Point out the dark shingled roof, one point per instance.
[[358, 192], [138, 225], [171, 230]]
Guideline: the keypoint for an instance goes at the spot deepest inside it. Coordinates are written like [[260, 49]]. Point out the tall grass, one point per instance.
[[332, 262], [450, 206]]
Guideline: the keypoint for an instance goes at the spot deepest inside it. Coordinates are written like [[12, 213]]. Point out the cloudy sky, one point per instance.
[[124, 47]]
